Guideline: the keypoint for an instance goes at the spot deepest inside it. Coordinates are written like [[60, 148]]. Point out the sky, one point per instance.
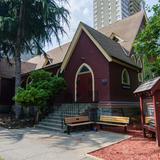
[[80, 10]]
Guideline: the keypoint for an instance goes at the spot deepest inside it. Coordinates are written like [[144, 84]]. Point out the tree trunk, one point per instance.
[[17, 79], [17, 70], [17, 57], [37, 117]]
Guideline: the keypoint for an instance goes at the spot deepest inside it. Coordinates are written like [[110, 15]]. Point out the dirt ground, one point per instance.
[[135, 148]]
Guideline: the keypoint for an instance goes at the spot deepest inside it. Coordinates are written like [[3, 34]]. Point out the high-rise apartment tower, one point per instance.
[[109, 11]]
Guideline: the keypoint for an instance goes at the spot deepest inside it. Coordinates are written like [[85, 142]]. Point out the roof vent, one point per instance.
[[48, 61], [116, 38]]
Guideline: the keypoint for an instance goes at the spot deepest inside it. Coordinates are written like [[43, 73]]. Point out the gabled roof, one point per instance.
[[7, 69], [147, 86], [113, 49], [127, 29], [56, 54], [110, 49], [27, 67]]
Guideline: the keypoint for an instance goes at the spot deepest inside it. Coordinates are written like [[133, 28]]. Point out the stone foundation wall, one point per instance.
[[5, 109], [127, 110]]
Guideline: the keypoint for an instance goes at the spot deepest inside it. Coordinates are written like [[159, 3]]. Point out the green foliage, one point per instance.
[[148, 41], [42, 88], [147, 44], [36, 20]]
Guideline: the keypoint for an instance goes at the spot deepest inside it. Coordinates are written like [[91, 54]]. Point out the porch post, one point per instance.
[[142, 115], [157, 123]]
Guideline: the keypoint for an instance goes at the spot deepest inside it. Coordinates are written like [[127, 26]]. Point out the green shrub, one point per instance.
[[42, 88]]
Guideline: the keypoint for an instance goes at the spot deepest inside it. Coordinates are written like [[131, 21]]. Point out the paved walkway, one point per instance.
[[36, 144]]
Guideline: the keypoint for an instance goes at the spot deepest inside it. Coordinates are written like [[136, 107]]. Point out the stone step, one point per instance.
[[59, 115], [52, 120], [49, 128], [54, 117], [56, 125]]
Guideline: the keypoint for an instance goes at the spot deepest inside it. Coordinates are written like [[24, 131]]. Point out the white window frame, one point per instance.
[[128, 83], [133, 58]]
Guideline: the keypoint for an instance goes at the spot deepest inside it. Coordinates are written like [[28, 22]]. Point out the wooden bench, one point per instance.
[[76, 121], [114, 121], [148, 120], [149, 125]]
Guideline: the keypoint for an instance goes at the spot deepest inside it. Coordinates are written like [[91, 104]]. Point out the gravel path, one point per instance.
[[135, 148]]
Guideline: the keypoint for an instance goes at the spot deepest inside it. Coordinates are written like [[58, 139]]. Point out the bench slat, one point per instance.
[[80, 124], [115, 119], [112, 124], [148, 120], [77, 119]]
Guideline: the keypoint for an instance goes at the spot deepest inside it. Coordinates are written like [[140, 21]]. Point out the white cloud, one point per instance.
[[86, 12], [80, 10]]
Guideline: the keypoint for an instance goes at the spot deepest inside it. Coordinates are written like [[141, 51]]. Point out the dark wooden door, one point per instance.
[[84, 88]]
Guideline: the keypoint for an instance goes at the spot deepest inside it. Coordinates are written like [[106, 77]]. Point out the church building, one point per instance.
[[99, 66]]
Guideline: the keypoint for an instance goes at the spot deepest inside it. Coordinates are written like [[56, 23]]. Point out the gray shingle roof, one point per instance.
[[7, 69], [147, 86], [113, 49], [126, 29]]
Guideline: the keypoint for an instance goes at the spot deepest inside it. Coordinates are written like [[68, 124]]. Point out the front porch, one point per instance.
[[55, 120]]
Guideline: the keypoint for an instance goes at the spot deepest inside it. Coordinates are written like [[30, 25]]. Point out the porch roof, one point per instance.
[[148, 86]]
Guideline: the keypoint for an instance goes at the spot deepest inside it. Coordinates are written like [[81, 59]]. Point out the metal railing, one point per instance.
[[74, 109]]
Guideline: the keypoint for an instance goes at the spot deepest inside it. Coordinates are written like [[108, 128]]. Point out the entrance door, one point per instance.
[[84, 86]]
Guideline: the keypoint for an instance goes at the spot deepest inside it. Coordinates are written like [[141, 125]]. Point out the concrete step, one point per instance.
[[54, 117], [52, 120], [59, 115], [49, 128], [56, 125]]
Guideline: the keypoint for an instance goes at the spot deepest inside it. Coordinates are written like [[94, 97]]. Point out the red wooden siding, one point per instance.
[[86, 52], [117, 91], [108, 85]]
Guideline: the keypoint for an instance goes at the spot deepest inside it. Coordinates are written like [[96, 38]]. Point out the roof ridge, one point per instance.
[[102, 34], [122, 20], [113, 49], [47, 52]]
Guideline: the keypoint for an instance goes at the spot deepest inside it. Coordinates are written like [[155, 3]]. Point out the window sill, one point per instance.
[[126, 86]]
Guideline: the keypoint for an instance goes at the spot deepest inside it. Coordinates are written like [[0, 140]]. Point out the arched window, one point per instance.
[[133, 58], [125, 77], [84, 69], [140, 77], [139, 62]]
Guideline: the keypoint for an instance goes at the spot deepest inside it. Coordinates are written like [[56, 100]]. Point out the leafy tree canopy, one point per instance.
[[36, 20], [147, 44], [26, 26]]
